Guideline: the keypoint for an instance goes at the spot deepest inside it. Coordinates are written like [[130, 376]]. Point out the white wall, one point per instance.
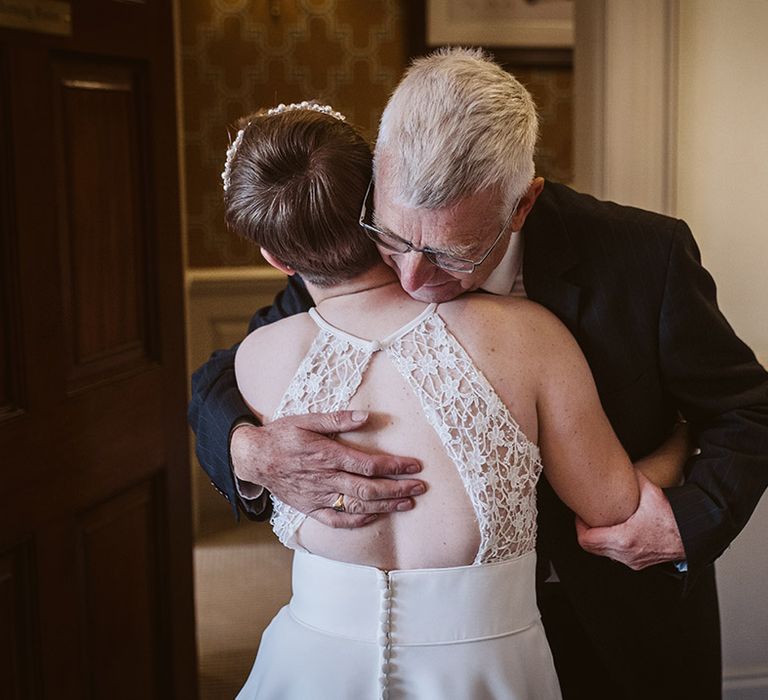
[[624, 125], [696, 68], [722, 191], [722, 169]]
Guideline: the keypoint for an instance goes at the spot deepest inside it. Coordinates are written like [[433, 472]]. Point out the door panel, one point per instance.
[[121, 547], [10, 356], [18, 649], [104, 218], [95, 526]]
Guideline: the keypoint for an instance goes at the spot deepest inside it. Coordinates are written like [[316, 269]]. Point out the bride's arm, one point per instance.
[[583, 459]]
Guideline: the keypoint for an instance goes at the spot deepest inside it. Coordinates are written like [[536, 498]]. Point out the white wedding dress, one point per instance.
[[354, 632]]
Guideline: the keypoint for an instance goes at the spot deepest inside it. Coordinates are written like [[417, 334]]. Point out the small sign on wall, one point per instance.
[[43, 16]]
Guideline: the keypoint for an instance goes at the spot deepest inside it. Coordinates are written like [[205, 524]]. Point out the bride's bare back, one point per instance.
[[526, 356]]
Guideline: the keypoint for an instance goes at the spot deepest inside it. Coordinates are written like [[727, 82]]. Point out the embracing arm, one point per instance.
[[295, 457], [216, 405], [583, 459], [723, 391]]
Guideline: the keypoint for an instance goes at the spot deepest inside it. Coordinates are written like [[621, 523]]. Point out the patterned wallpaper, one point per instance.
[[240, 55]]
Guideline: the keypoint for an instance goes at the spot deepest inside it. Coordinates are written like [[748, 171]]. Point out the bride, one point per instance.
[[437, 601]]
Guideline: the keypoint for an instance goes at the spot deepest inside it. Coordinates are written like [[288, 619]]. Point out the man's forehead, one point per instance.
[[459, 227]]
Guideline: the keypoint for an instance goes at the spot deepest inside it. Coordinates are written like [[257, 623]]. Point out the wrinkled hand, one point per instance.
[[297, 459], [649, 536]]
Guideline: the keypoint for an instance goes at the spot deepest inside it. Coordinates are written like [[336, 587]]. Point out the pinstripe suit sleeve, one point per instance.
[[216, 404], [723, 391]]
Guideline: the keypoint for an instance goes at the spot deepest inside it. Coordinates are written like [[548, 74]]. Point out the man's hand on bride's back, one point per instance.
[[297, 459]]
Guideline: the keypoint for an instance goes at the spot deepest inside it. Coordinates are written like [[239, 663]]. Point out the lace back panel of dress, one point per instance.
[[497, 463], [325, 381]]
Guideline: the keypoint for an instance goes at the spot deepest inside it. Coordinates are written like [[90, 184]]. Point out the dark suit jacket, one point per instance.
[[630, 287]]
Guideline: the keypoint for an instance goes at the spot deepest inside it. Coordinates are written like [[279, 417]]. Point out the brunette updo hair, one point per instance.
[[296, 185]]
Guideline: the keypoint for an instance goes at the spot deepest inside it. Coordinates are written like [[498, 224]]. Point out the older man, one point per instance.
[[457, 209]]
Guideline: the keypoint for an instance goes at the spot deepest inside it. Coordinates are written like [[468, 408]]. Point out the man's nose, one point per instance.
[[414, 270]]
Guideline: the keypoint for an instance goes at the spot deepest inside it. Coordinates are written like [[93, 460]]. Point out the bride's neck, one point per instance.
[[378, 277]]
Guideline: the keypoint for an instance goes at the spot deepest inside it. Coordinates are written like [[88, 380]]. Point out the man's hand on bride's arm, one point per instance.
[[297, 459], [649, 536]]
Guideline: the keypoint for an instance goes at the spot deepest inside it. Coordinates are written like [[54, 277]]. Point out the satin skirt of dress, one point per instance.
[[354, 632]]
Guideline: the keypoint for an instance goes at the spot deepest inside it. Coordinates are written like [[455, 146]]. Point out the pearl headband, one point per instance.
[[235, 144]]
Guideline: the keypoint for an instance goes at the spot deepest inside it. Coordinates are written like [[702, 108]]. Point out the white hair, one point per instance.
[[455, 125]]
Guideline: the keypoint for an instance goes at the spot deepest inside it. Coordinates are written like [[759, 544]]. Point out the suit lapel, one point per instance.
[[548, 255]]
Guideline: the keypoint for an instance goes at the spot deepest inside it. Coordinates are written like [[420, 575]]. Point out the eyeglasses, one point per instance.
[[446, 261]]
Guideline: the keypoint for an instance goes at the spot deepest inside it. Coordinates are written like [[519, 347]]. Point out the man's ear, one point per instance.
[[277, 264], [526, 203]]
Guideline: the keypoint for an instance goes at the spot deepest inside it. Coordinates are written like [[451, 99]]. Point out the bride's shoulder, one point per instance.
[[285, 327], [267, 359], [276, 340], [503, 331], [491, 313]]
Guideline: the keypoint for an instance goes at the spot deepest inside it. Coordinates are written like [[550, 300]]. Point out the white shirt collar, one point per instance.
[[503, 277]]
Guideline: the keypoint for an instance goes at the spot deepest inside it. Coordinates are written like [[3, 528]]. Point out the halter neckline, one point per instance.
[[372, 345]]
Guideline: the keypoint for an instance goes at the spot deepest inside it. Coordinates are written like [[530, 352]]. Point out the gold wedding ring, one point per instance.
[[338, 504]]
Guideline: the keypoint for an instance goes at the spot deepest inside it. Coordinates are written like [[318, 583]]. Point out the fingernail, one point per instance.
[[370, 519], [412, 468], [359, 416], [405, 505], [418, 490]]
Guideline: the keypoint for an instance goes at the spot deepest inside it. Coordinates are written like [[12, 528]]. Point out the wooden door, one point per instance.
[[95, 535]]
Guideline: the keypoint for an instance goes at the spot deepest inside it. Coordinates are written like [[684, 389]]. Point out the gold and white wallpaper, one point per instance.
[[240, 55]]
